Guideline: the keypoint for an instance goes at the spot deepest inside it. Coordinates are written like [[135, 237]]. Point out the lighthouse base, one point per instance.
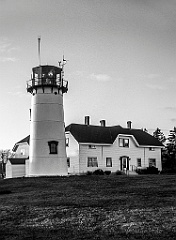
[[47, 167]]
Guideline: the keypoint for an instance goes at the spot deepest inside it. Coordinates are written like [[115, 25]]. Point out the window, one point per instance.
[[92, 146], [53, 147], [152, 162], [151, 149], [123, 142], [68, 162], [138, 162], [92, 162], [22, 151], [67, 142], [108, 162]]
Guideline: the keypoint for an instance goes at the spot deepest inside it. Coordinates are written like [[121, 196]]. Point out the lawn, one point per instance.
[[88, 207]]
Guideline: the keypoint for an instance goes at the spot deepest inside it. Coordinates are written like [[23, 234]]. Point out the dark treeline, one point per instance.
[[168, 153]]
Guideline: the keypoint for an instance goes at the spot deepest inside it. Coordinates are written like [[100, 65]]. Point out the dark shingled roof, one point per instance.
[[17, 161], [107, 135], [26, 139]]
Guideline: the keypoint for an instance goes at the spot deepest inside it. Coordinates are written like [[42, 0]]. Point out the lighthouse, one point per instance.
[[47, 156]]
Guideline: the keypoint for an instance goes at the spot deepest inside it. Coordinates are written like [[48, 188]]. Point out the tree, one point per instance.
[[170, 152], [159, 135], [4, 155], [172, 137]]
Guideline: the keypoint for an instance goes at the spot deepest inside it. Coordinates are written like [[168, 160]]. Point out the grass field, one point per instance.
[[88, 207]]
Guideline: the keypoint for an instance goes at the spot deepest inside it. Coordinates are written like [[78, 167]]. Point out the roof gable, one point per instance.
[[24, 140]]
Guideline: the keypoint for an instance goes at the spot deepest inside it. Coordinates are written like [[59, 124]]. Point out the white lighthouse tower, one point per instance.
[[47, 155]]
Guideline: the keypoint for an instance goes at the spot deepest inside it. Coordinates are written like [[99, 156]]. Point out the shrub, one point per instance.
[[149, 170], [168, 171], [141, 170], [107, 172], [152, 170], [88, 173], [118, 172], [98, 172], [5, 192]]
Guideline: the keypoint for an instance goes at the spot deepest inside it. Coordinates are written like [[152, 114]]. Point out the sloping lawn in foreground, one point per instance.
[[88, 207]]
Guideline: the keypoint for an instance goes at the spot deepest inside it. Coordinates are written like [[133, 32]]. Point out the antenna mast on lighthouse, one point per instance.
[[39, 57]]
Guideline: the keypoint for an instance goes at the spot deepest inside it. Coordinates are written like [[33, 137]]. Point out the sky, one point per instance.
[[121, 61]]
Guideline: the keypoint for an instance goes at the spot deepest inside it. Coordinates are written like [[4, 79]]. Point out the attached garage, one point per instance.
[[15, 167]]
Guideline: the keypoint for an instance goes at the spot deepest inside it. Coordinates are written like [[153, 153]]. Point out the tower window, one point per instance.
[[53, 147]]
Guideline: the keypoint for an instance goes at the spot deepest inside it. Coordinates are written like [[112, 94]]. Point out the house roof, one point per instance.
[[17, 161], [24, 140], [107, 135]]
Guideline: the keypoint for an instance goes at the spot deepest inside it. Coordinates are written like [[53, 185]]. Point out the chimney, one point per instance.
[[103, 123], [129, 123], [87, 120]]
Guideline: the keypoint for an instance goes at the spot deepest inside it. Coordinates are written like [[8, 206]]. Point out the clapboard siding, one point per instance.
[[22, 150], [18, 171], [27, 167], [86, 152], [133, 151], [8, 170], [72, 151], [79, 154], [156, 154]]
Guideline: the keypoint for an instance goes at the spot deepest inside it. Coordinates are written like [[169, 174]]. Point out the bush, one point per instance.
[[141, 170], [118, 172], [88, 173], [107, 172], [5, 191], [149, 170], [168, 171], [152, 170], [98, 172]]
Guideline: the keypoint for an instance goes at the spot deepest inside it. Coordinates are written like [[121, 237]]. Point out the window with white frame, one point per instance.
[[152, 162], [108, 162], [92, 162], [123, 142], [67, 142], [139, 162]]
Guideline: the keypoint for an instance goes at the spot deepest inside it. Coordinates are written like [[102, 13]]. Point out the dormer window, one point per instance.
[[123, 142], [53, 147]]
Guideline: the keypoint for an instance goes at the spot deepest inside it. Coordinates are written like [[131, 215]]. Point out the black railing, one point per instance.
[[41, 82]]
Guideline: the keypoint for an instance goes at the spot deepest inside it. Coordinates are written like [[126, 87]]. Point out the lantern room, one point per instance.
[[47, 76]]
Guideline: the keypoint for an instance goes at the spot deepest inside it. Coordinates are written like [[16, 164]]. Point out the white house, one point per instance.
[[17, 165], [110, 148], [92, 147]]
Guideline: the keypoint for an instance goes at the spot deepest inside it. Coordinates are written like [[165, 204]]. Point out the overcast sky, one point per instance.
[[122, 61]]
